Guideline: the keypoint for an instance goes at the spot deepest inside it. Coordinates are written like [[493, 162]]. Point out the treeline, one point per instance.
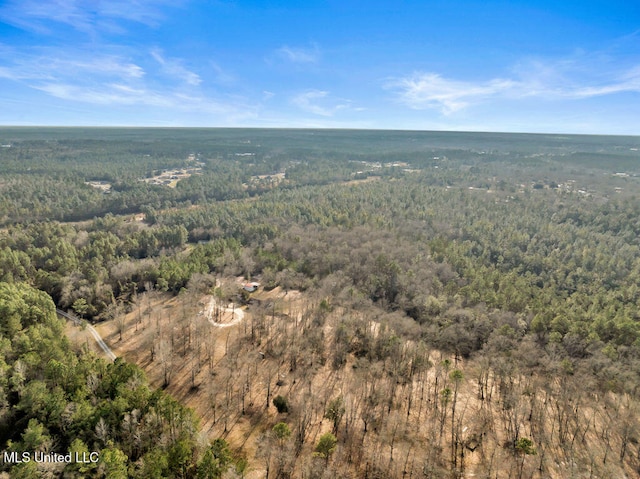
[[92, 269], [54, 400], [89, 158], [45, 172]]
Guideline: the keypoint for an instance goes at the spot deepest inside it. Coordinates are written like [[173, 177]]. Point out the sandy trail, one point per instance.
[[96, 335]]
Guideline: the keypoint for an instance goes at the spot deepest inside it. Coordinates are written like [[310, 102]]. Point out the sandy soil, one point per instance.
[[227, 317]]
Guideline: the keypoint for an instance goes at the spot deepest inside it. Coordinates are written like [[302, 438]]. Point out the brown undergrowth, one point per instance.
[[396, 407]]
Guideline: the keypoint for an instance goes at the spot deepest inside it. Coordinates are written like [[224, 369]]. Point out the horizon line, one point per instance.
[[399, 130]]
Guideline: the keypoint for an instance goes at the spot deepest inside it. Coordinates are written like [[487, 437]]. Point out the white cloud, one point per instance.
[[174, 68], [222, 76], [109, 94], [99, 79], [108, 65], [629, 82], [51, 64], [90, 17], [298, 54], [319, 103], [17, 74], [147, 12], [430, 90], [175, 101], [538, 80]]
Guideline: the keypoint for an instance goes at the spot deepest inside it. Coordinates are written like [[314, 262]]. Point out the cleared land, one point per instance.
[[270, 348]]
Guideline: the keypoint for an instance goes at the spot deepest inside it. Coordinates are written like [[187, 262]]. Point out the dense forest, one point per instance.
[[430, 305]]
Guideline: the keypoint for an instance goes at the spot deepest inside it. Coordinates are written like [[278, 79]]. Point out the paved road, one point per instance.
[[78, 322]]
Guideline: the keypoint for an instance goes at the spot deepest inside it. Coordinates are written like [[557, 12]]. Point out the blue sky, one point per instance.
[[530, 66]]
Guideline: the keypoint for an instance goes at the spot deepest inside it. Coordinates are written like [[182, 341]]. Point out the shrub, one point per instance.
[[281, 404]]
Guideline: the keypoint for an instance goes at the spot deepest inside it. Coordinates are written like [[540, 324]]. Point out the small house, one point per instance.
[[250, 287]]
